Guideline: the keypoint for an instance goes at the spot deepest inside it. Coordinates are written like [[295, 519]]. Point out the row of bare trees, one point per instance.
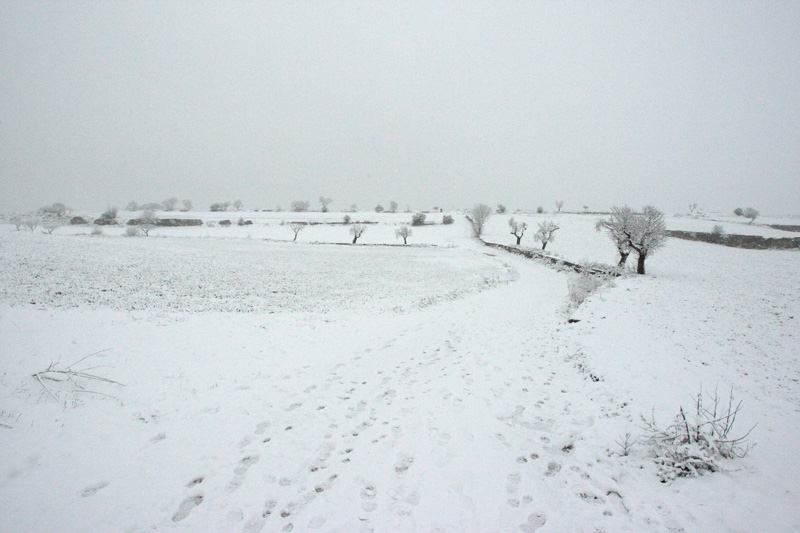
[[356, 230], [642, 233]]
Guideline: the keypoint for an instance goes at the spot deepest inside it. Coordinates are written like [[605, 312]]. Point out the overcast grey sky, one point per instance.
[[425, 103]]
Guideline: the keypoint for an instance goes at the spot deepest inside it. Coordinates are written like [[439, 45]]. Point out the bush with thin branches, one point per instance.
[[692, 445]]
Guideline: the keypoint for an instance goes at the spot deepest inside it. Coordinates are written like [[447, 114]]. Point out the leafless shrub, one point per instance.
[[581, 286], [133, 231], [688, 448], [718, 232], [626, 443]]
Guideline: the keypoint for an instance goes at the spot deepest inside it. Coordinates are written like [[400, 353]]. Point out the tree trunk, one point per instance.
[[355, 238], [623, 258], [544, 245], [405, 241], [519, 238], [295, 238], [640, 265]]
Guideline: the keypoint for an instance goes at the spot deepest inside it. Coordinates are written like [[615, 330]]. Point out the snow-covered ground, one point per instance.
[[272, 386]]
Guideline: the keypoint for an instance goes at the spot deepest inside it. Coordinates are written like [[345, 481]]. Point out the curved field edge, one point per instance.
[[234, 276]]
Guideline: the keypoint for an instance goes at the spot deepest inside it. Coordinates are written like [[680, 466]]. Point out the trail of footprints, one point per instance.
[[361, 424]]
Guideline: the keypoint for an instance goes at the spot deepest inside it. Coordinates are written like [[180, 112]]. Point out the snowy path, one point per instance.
[[463, 416], [485, 412]]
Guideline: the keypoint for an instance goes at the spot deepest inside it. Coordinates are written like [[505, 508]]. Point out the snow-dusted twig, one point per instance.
[[53, 373]]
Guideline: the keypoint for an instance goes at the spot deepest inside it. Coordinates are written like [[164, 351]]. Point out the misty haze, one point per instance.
[[399, 266]]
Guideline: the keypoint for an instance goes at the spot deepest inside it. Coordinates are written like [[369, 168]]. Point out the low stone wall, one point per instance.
[[753, 242], [556, 262], [170, 222]]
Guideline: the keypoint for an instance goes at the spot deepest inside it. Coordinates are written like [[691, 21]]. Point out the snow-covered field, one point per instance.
[[275, 386]]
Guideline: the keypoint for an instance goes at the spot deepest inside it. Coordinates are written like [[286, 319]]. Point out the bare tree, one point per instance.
[[325, 202], [238, 205], [187, 205], [31, 222], [132, 206], [17, 221], [57, 210], [300, 206], [621, 218], [169, 204], [750, 213], [52, 223], [147, 221], [647, 234], [478, 216], [517, 229], [379, 208], [393, 207], [356, 230], [546, 233], [296, 227], [404, 232], [353, 208], [501, 209], [586, 209], [559, 205], [692, 209]]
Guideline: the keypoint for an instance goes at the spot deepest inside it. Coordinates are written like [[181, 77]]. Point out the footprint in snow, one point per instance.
[[195, 481], [241, 470], [368, 495], [403, 463], [535, 521], [553, 468], [186, 507], [262, 427], [92, 489]]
